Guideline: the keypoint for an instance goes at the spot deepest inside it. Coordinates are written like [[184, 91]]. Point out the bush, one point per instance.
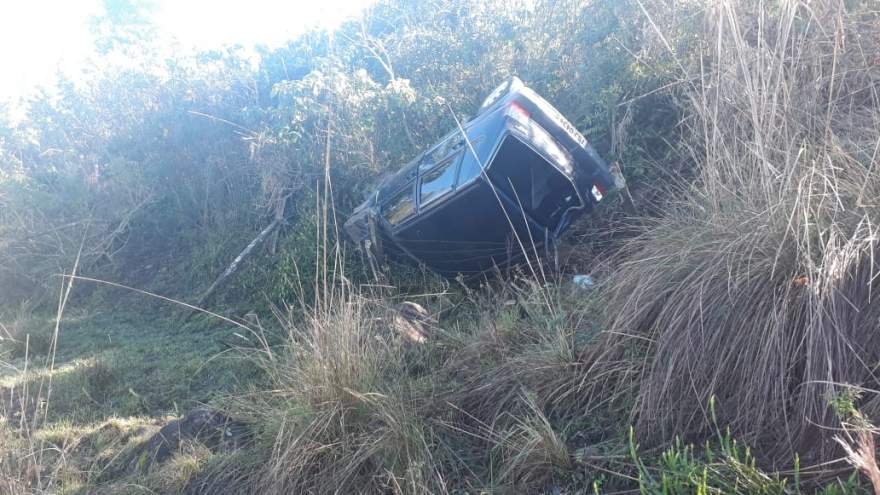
[[157, 176], [24, 334]]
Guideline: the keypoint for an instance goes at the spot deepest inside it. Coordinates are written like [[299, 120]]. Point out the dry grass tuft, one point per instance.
[[863, 456], [759, 286], [343, 416], [532, 452]]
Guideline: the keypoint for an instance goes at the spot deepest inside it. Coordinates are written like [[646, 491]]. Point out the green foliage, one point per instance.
[[162, 171], [724, 467]]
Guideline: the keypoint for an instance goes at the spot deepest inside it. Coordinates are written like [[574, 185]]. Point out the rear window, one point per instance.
[[527, 178], [400, 207]]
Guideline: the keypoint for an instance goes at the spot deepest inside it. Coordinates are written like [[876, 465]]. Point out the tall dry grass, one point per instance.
[[759, 286], [344, 414], [353, 406], [28, 462]]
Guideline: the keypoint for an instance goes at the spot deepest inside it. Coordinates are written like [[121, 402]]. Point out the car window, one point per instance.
[[441, 152], [435, 183], [400, 207], [470, 167]]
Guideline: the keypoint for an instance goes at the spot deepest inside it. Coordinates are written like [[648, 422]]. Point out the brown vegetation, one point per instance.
[[759, 285]]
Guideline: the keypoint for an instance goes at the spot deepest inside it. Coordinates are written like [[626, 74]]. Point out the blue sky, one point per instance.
[[41, 37]]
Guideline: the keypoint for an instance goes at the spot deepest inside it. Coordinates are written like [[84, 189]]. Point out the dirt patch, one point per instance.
[[214, 429]]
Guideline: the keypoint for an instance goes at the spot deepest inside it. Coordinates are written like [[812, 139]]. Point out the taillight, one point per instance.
[[598, 191], [518, 112]]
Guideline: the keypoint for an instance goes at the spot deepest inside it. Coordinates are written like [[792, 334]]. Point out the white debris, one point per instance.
[[584, 281]]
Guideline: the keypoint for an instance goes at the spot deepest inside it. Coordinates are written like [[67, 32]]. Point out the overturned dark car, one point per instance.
[[498, 189]]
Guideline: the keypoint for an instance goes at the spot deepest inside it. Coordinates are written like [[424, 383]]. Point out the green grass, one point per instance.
[[128, 364], [117, 378]]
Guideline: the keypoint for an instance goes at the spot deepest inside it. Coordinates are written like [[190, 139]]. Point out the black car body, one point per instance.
[[498, 188]]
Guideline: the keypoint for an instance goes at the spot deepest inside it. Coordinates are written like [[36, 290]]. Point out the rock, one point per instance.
[[412, 321], [215, 430]]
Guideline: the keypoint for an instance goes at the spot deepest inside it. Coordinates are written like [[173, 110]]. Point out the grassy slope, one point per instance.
[[512, 393], [118, 376], [111, 364], [491, 403]]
